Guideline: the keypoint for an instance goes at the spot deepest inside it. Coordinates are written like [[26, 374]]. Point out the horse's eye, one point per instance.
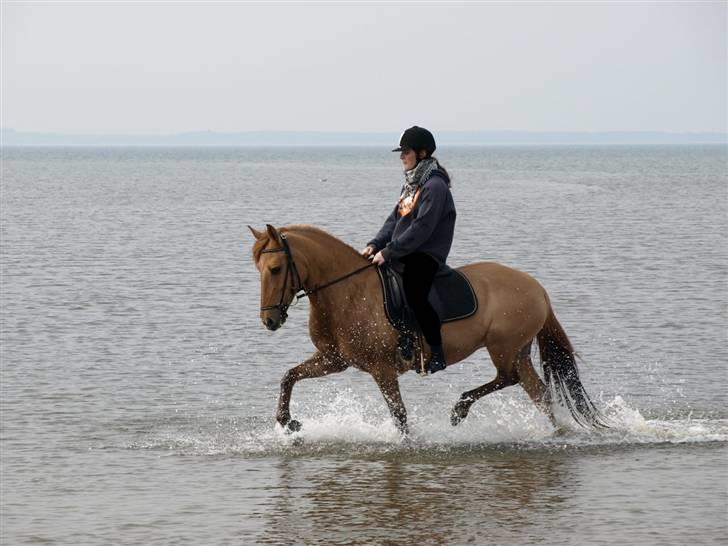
[[275, 269]]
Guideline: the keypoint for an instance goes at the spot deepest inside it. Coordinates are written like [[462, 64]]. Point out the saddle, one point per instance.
[[452, 297]]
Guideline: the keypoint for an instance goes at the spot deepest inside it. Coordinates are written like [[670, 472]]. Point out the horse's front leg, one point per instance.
[[317, 365], [388, 381]]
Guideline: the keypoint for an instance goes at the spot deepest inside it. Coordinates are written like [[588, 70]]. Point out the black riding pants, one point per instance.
[[419, 272]]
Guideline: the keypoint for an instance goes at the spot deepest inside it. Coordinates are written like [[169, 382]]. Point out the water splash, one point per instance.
[[358, 427], [631, 426]]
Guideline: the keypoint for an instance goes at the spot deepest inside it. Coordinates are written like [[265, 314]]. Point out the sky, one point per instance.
[[166, 67]]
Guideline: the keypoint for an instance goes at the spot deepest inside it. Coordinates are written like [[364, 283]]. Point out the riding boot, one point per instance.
[[406, 346], [437, 360]]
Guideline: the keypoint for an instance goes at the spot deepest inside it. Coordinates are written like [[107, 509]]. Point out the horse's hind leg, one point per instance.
[[532, 384], [467, 399], [504, 360]]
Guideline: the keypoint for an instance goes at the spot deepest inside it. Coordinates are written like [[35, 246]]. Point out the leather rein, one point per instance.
[[292, 272]]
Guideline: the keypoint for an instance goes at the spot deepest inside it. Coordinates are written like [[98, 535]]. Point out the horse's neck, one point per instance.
[[328, 259]]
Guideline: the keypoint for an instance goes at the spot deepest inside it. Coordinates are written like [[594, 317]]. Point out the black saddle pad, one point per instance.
[[452, 297]]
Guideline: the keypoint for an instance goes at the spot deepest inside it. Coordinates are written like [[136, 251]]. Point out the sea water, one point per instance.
[[138, 385]]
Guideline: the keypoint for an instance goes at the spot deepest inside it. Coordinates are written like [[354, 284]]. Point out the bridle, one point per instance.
[[292, 272]]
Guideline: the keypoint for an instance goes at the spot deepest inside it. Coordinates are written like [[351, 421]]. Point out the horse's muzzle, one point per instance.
[[271, 324], [275, 319]]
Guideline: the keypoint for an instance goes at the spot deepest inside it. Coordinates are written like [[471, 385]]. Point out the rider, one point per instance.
[[419, 231]]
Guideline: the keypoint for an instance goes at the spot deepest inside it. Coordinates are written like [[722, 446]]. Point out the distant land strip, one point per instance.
[[11, 137]]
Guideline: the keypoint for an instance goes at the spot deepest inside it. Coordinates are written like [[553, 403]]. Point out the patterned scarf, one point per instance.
[[414, 178]]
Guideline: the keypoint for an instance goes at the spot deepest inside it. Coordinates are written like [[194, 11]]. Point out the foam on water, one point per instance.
[[358, 427]]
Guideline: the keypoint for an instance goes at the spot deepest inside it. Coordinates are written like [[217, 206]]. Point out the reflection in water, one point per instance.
[[433, 499]]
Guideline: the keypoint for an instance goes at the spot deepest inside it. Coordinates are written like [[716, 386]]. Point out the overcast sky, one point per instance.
[[143, 67]]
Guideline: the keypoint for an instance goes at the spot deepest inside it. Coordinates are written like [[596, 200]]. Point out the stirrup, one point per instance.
[[437, 362]]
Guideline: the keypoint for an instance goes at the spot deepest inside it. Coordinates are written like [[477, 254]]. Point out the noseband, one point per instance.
[[292, 271]]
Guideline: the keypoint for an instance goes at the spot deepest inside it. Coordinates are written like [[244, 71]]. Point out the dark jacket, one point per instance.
[[428, 228]]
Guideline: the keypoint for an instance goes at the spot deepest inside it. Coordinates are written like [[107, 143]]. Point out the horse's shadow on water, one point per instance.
[[414, 497], [424, 490]]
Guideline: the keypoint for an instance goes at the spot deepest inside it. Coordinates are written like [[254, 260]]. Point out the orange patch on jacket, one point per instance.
[[406, 204]]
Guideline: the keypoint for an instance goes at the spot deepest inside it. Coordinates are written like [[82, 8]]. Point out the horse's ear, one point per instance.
[[272, 232], [257, 234]]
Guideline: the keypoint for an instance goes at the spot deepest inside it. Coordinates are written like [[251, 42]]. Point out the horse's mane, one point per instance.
[[303, 229]]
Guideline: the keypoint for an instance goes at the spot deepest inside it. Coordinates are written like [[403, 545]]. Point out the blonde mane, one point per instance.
[[309, 229]]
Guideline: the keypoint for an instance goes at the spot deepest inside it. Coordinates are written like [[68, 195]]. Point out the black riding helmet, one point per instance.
[[417, 138]]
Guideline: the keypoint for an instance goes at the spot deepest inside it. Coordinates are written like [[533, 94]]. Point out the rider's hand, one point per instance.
[[378, 259], [368, 251]]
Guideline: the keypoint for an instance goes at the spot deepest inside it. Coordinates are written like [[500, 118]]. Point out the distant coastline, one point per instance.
[[11, 137]]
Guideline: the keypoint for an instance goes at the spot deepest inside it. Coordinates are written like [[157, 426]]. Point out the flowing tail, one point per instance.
[[562, 375]]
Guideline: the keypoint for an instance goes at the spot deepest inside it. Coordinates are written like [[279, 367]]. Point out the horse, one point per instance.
[[349, 328]]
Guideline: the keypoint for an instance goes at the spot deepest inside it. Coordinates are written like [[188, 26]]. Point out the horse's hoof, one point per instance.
[[293, 426], [459, 412]]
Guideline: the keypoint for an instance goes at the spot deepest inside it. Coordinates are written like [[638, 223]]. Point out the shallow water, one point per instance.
[[138, 386]]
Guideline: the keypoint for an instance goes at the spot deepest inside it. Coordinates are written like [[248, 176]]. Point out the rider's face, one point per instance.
[[408, 158]]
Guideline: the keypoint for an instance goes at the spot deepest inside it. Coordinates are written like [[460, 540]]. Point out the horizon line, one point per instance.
[[275, 137], [353, 132]]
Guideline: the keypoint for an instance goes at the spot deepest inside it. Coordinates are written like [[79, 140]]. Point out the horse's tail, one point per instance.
[[562, 375]]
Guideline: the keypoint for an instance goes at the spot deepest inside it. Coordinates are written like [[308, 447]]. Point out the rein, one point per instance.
[[291, 270]]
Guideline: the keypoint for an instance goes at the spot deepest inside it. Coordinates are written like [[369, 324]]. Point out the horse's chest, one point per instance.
[[321, 331]]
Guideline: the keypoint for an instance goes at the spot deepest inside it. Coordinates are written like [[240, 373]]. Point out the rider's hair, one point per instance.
[[428, 154]]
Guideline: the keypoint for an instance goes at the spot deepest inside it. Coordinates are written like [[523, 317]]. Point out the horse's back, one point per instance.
[[507, 298], [497, 273]]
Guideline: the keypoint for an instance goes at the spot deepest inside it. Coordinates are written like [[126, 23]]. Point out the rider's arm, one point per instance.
[[431, 207]]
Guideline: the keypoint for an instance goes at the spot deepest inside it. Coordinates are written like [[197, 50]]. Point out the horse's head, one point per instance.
[[279, 276]]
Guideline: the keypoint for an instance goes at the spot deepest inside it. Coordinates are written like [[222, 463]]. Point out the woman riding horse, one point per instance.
[[349, 328], [348, 325], [419, 232]]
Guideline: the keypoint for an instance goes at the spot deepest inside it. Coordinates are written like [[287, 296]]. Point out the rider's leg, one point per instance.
[[419, 273]]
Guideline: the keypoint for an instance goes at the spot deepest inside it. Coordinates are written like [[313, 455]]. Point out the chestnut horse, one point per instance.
[[349, 328]]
